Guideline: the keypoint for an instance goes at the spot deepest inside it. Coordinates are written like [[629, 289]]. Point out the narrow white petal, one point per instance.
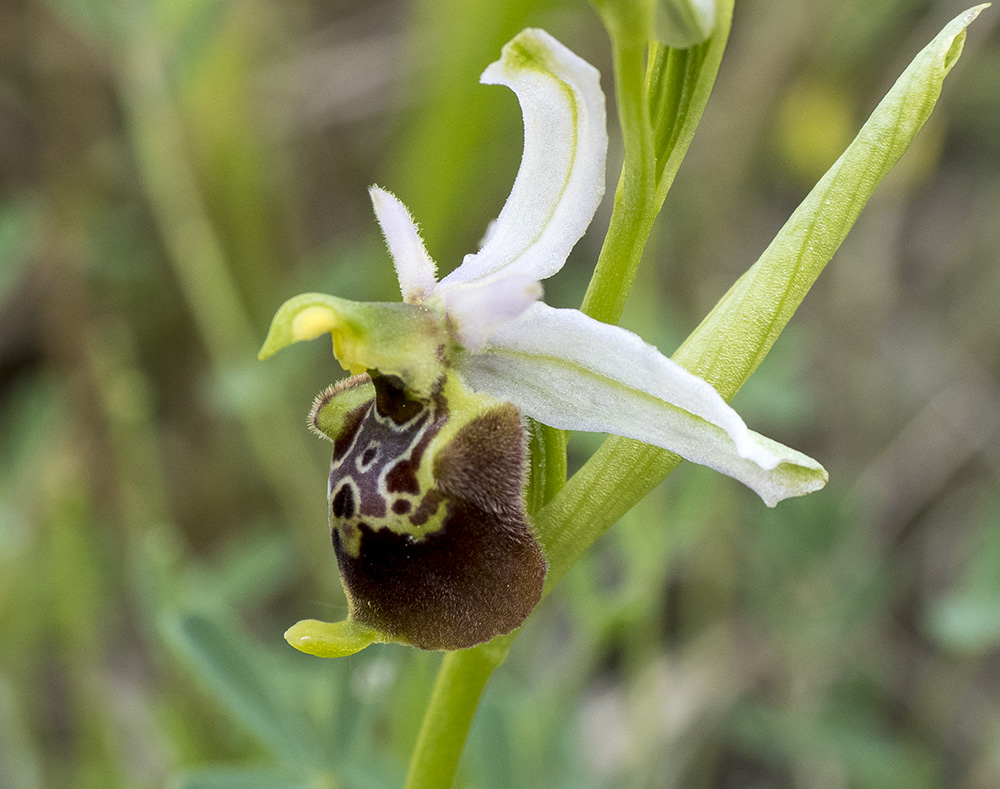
[[572, 372], [414, 268], [476, 309], [561, 179]]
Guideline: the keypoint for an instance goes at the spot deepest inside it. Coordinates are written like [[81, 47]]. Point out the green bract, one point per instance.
[[683, 23], [759, 305], [427, 480]]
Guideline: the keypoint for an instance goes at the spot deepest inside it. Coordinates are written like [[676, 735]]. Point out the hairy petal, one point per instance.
[[561, 179], [575, 373], [415, 269]]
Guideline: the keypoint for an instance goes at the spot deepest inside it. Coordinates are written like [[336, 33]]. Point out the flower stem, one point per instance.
[[634, 208], [460, 683], [463, 675], [748, 318]]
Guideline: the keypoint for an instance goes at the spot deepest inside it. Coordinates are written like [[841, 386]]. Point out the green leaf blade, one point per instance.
[[733, 339], [736, 336]]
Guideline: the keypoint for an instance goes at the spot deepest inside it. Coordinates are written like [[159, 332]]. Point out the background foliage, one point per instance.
[[171, 171]]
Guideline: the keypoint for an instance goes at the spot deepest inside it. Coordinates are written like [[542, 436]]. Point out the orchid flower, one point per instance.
[[426, 488]]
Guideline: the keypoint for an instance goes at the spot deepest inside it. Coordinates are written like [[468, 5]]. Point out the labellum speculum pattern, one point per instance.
[[427, 512]]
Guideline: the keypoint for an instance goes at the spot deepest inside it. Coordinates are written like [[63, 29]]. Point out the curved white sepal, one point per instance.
[[574, 373], [415, 269], [561, 179]]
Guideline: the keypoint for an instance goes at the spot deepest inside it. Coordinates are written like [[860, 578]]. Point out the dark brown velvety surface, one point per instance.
[[478, 576]]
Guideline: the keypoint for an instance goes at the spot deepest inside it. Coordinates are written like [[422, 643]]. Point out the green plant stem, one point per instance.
[[679, 84], [737, 334], [570, 518], [750, 316], [610, 483], [659, 108], [555, 468], [633, 213], [459, 686], [547, 450], [463, 675]]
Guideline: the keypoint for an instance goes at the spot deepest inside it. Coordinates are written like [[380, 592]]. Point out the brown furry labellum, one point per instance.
[[426, 501]]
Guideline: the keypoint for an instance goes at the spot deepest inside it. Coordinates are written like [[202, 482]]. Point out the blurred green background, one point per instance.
[[172, 170]]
